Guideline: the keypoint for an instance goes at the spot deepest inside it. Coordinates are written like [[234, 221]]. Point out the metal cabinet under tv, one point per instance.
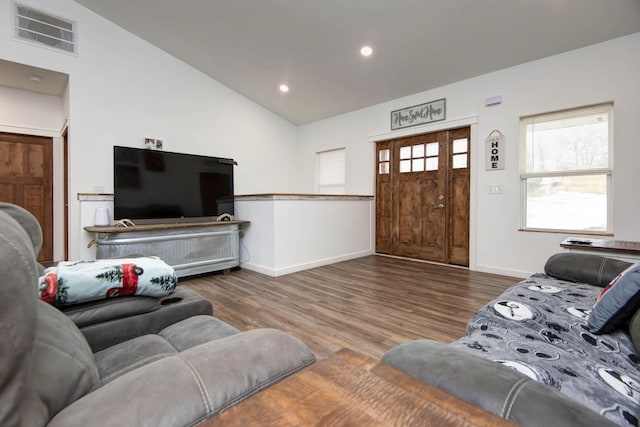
[[190, 248]]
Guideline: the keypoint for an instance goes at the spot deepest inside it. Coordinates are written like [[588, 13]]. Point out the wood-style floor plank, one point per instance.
[[368, 304]]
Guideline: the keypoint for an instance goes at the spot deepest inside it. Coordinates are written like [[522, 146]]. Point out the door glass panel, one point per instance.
[[384, 168], [405, 166], [418, 165], [384, 155], [432, 164], [418, 151], [459, 161], [405, 152], [460, 145], [432, 149]]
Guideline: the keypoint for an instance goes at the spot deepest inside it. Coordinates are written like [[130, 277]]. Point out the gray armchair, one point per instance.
[[187, 372], [110, 321]]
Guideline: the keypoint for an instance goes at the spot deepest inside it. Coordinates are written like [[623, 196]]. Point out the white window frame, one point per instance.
[[331, 171], [608, 171]]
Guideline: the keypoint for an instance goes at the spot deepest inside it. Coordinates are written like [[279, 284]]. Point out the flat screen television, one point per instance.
[[159, 185]]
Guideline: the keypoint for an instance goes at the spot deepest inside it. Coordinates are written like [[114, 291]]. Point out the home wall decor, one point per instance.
[[494, 151], [429, 112]]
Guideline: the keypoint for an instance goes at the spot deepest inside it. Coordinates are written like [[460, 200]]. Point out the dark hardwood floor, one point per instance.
[[368, 304]]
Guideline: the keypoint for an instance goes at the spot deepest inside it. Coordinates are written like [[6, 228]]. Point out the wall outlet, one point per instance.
[[98, 188]]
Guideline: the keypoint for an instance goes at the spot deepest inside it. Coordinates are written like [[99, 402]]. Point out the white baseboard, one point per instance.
[[502, 271], [275, 272]]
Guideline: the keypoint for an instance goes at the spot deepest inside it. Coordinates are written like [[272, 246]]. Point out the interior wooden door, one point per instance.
[[422, 196], [26, 179]]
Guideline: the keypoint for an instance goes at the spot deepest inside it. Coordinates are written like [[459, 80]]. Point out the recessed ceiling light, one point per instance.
[[366, 51], [284, 88]]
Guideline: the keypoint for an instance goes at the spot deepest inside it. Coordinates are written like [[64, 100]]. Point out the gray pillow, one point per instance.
[[617, 303]]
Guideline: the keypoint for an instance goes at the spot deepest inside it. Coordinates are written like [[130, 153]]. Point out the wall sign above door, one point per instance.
[[429, 112]]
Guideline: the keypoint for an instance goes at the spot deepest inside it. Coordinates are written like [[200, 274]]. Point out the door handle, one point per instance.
[[440, 206]]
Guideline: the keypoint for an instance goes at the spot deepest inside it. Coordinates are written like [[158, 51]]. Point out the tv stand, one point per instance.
[[190, 247]]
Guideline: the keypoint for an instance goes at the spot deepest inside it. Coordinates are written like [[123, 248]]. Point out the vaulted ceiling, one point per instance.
[[253, 46]]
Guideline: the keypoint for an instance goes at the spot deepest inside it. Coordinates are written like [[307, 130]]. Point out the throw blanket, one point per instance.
[[82, 281], [539, 328]]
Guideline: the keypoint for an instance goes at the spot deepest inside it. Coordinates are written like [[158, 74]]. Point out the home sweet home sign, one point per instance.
[[429, 112]]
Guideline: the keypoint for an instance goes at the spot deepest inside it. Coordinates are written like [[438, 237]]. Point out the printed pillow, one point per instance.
[[617, 303], [83, 281]]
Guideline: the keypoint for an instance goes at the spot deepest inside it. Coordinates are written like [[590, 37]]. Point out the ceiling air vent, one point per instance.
[[39, 27]]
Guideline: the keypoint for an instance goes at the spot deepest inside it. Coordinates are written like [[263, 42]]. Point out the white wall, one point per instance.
[[605, 72], [293, 233], [24, 111], [122, 89]]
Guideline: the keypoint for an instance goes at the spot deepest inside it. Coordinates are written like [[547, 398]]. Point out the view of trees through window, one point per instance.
[[566, 170]]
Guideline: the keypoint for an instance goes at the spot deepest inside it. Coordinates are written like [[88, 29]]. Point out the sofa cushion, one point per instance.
[[585, 268], [17, 321], [119, 359], [28, 222], [191, 386], [116, 361], [617, 303], [196, 330], [63, 368]]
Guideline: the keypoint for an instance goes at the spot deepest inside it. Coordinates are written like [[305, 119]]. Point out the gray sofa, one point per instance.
[[186, 372], [530, 357], [107, 322]]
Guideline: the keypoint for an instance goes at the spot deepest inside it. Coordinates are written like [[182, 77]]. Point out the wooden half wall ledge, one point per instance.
[[296, 196], [261, 196]]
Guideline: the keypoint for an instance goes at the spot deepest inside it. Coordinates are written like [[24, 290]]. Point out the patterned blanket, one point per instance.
[[82, 281], [539, 328]]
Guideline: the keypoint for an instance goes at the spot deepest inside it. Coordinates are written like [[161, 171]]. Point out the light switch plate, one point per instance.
[[495, 189]]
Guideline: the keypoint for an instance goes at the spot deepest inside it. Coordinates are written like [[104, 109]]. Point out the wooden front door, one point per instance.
[[422, 196], [26, 179]]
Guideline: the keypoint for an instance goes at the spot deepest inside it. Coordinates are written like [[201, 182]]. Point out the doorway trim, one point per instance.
[[476, 151]]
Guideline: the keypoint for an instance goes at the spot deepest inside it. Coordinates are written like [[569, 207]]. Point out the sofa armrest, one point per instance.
[[88, 313], [180, 305], [587, 268], [490, 385]]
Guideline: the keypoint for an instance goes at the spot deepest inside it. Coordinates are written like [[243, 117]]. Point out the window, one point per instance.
[[565, 167], [419, 157], [330, 172]]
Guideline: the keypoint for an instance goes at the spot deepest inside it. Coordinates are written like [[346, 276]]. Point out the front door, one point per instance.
[[422, 196], [26, 179]]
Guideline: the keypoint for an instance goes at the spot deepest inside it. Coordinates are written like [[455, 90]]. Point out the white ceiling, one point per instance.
[[252, 46]]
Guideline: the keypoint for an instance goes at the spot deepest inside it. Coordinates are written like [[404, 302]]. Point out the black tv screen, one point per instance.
[[152, 184]]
